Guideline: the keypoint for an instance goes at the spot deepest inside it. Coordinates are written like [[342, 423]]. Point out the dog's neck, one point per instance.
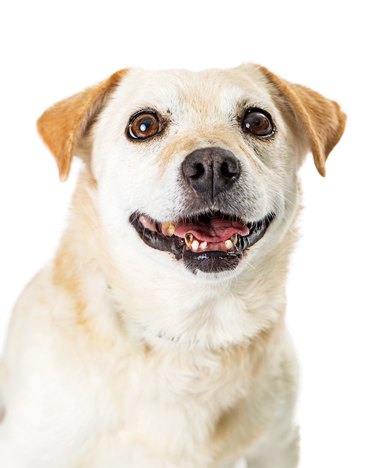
[[158, 306]]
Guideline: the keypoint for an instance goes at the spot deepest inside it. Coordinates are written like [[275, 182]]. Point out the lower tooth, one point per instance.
[[229, 244], [195, 245]]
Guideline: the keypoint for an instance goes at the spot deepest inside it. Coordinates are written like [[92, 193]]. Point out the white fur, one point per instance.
[[165, 370]]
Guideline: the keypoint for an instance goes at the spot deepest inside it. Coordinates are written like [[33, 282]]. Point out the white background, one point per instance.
[[50, 50]]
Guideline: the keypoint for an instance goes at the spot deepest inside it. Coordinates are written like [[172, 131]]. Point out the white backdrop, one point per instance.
[[50, 50]]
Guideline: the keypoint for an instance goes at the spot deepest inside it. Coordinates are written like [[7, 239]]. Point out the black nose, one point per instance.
[[211, 170]]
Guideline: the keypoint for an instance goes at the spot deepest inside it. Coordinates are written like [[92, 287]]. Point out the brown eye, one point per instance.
[[144, 124], [258, 123]]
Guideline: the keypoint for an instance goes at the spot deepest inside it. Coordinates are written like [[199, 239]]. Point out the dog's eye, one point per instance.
[[258, 123], [144, 125]]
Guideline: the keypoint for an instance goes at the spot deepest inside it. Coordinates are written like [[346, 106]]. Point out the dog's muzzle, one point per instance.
[[211, 234]]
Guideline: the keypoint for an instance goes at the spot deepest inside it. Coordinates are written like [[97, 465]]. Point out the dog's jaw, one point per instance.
[[210, 243]]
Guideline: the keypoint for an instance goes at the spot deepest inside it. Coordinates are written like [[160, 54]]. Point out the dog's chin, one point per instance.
[[212, 243]]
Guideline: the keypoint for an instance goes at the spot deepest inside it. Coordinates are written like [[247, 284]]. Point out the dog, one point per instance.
[[156, 336]]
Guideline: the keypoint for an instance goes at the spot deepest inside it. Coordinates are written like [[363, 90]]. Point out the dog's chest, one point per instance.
[[169, 404]]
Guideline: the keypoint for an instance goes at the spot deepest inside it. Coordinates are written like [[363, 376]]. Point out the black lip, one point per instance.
[[208, 262]]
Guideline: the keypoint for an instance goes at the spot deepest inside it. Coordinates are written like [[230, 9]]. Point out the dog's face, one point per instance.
[[197, 170]]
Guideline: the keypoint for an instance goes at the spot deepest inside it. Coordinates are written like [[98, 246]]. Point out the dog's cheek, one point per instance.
[[129, 182]]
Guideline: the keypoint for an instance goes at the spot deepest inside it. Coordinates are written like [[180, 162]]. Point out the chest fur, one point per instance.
[[175, 404]]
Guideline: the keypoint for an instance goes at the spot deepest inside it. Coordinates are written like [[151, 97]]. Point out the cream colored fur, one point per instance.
[[117, 356]]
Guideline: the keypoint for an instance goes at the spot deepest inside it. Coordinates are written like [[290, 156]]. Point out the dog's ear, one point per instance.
[[64, 125], [322, 120]]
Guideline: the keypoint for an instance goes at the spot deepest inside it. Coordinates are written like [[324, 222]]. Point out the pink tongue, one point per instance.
[[215, 230]]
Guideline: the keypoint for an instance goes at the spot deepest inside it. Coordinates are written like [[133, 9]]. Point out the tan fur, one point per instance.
[[323, 120], [73, 258], [63, 277], [62, 125]]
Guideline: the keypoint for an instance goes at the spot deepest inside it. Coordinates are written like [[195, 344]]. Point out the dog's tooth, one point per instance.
[[171, 229], [229, 244], [195, 245], [203, 246], [189, 239], [234, 239]]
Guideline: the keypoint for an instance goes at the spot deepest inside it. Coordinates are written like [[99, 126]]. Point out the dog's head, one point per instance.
[[198, 169]]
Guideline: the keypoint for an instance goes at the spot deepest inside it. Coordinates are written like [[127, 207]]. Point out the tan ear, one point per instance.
[[322, 119], [63, 125]]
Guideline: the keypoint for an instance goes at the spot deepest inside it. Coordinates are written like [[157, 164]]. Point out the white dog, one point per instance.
[[156, 336]]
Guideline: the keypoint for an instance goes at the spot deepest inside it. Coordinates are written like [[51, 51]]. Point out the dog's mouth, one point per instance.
[[210, 242]]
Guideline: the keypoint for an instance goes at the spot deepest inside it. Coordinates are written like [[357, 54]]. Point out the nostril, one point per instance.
[[225, 171], [229, 170], [198, 171]]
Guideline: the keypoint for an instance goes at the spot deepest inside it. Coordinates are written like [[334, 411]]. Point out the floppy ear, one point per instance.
[[322, 120], [64, 125]]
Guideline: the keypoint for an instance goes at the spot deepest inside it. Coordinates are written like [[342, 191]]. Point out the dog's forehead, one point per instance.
[[219, 89]]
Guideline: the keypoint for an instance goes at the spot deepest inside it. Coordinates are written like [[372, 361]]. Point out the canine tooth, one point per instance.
[[229, 244], [189, 239], [171, 229], [234, 239], [203, 246], [195, 245]]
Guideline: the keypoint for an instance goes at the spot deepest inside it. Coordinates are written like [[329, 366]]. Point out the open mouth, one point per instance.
[[210, 242]]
